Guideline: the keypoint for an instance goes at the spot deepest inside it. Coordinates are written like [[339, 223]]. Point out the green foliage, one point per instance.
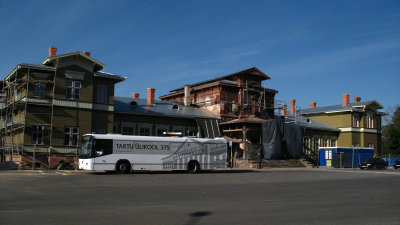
[[391, 134]]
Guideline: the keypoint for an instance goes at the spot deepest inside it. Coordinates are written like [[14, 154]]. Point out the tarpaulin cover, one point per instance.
[[281, 140], [252, 150]]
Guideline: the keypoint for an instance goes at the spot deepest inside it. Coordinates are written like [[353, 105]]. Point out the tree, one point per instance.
[[391, 133]]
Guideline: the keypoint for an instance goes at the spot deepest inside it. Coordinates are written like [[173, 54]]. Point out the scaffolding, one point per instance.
[[26, 101]]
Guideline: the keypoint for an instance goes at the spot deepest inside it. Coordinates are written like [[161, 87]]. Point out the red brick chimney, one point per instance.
[[135, 95], [345, 99], [313, 104], [357, 99], [87, 53], [52, 51], [150, 95], [284, 110], [293, 106]]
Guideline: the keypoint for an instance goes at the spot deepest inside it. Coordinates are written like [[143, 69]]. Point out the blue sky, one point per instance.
[[312, 50]]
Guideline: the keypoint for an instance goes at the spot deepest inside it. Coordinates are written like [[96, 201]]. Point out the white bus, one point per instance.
[[124, 153]]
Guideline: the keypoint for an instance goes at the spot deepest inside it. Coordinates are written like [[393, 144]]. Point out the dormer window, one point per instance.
[[175, 107], [133, 103]]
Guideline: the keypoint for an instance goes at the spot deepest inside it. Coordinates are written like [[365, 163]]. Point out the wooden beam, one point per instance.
[[236, 130]]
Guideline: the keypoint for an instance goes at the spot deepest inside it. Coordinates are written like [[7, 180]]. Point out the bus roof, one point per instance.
[[154, 138]]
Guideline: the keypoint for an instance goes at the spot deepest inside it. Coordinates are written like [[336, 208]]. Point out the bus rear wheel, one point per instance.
[[193, 167], [123, 167]]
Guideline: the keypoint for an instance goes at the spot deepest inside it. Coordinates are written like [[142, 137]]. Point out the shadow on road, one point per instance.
[[196, 216]]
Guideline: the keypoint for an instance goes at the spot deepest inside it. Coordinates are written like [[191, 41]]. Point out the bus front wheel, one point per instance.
[[123, 167], [193, 167]]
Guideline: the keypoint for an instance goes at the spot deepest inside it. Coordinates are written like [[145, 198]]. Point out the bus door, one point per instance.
[[102, 148]]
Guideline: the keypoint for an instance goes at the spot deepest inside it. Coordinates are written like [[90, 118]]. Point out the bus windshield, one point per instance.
[[87, 146]]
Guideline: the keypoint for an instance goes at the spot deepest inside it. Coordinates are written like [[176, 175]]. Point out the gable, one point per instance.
[[75, 58]]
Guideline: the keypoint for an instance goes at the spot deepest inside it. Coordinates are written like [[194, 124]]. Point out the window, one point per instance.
[[192, 133], [71, 136], [371, 145], [307, 145], [73, 89], [370, 121], [356, 120], [102, 94], [144, 131], [328, 154], [116, 127], [160, 131], [333, 142], [324, 142], [39, 91], [230, 105], [356, 145], [127, 130], [37, 135]]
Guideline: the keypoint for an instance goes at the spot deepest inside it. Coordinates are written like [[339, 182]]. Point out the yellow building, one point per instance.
[[359, 122]]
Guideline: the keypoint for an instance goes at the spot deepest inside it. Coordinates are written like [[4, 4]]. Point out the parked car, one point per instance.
[[374, 163], [396, 164]]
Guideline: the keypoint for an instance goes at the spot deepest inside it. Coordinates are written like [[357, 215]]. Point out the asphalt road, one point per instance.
[[270, 196]]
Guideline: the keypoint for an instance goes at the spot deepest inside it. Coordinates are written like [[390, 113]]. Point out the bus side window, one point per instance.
[[103, 147]]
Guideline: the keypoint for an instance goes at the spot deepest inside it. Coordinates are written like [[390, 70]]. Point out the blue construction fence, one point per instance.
[[342, 157]]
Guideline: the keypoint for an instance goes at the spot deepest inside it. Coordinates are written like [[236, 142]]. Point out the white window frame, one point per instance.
[[37, 134], [328, 154], [370, 121], [74, 87], [325, 142], [356, 120], [73, 136], [334, 141], [102, 94]]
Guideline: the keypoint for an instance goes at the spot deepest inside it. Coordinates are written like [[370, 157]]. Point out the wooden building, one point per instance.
[[46, 108]]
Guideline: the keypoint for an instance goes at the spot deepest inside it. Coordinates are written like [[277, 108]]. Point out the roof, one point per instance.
[[49, 59], [359, 106], [253, 71], [34, 66], [309, 123], [109, 76], [159, 108]]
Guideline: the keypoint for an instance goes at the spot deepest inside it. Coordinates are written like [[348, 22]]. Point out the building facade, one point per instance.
[[239, 99], [229, 97], [148, 117], [46, 108], [359, 124]]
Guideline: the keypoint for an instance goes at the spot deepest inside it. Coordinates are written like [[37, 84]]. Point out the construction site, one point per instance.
[[45, 108]]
